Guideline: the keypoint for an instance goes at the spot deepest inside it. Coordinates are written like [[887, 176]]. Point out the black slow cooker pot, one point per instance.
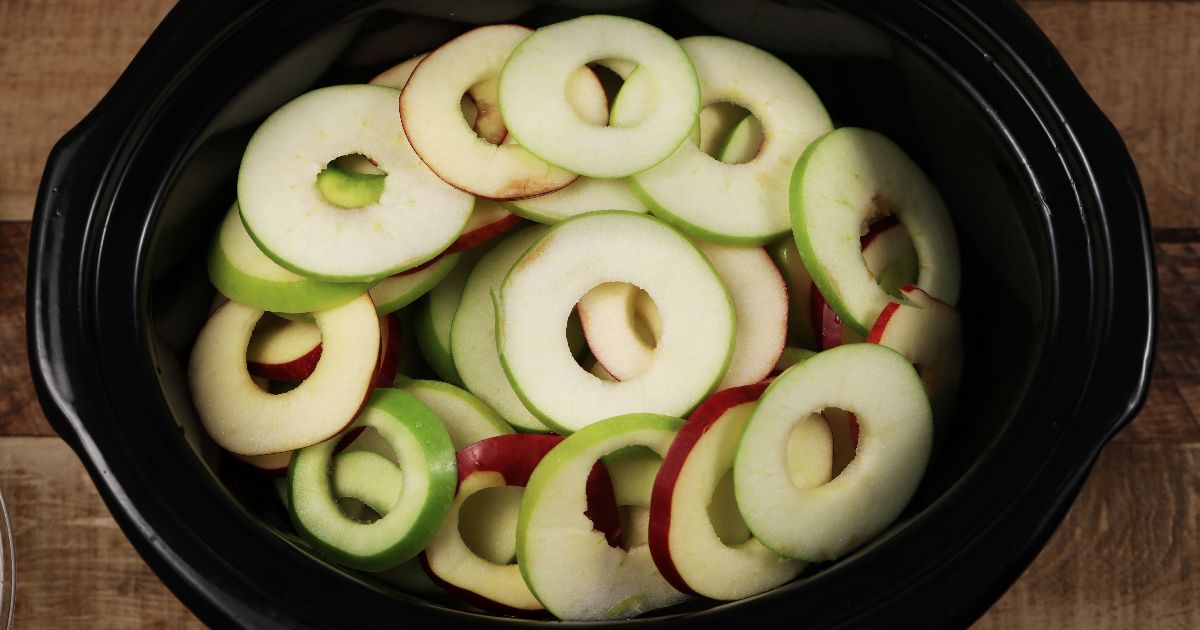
[[1058, 297]]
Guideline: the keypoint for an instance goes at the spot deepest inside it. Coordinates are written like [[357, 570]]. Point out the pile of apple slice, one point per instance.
[[721, 351]]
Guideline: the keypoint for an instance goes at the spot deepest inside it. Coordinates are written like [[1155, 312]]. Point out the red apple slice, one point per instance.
[[506, 460], [697, 538], [244, 419], [389, 350], [928, 332], [282, 349]]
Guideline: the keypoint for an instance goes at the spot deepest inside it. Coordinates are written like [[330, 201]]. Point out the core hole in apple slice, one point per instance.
[[282, 349], [351, 187], [832, 436]]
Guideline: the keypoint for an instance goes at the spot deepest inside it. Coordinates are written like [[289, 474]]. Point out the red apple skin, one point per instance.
[[294, 370], [826, 324], [701, 420], [389, 351], [483, 234], [514, 457], [421, 267]]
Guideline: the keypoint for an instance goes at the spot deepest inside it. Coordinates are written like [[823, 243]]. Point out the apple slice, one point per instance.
[[845, 179], [244, 419], [928, 332], [429, 108], [504, 462], [802, 331], [395, 292], [692, 508], [473, 334], [467, 419], [541, 119], [416, 217], [697, 192], [282, 349], [426, 460], [239, 270], [570, 567], [894, 419], [574, 257]]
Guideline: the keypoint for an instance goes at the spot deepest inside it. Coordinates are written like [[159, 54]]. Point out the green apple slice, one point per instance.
[[417, 215], [473, 333], [429, 108], [538, 115], [895, 435], [736, 204], [349, 189], [395, 292], [568, 565], [426, 460], [586, 194], [244, 419], [843, 181], [575, 256], [467, 418], [239, 270]]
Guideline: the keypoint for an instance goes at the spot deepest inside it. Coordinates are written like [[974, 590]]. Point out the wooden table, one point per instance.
[[1127, 556]]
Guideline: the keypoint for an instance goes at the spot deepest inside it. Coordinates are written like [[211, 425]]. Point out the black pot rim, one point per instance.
[[1093, 204]]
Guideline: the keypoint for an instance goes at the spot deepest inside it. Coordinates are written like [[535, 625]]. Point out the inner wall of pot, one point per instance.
[[864, 78]]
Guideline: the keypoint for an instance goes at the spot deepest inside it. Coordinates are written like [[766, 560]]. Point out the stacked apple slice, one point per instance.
[[713, 249]]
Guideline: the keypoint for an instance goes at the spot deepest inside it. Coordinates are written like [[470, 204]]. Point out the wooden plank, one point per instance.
[[75, 569], [57, 58], [20, 413], [1140, 61], [1128, 554]]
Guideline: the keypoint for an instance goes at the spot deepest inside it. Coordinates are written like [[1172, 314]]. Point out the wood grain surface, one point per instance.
[[1127, 556]]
